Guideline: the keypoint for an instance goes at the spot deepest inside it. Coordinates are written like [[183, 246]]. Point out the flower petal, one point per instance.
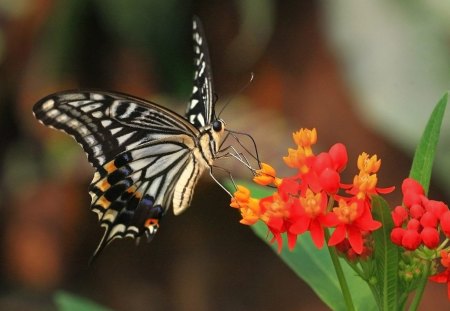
[[355, 239], [338, 235]]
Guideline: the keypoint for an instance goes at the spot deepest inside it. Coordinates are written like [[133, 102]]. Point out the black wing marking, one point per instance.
[[132, 192], [106, 124], [200, 110]]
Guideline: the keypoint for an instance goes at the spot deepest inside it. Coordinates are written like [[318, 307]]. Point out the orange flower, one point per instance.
[[240, 198], [305, 138], [296, 158], [368, 165], [266, 176], [251, 213], [364, 184]]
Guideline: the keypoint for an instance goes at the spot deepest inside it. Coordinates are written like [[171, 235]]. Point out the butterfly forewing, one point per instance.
[[105, 123], [200, 110]]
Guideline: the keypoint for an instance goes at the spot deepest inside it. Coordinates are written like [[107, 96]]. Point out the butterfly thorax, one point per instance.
[[209, 140], [202, 156]]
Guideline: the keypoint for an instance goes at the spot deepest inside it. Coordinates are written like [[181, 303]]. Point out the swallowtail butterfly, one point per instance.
[[147, 157]]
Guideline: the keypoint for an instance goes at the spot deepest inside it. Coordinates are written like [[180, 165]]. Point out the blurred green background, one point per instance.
[[366, 74]]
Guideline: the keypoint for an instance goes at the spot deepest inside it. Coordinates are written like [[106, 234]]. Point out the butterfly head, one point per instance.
[[218, 126]]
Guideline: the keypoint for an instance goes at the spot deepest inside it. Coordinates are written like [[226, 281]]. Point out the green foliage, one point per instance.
[[386, 256], [314, 266], [423, 158], [69, 302]]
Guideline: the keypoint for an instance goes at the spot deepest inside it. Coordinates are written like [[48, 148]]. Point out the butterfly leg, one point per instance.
[[230, 151], [234, 134], [217, 181]]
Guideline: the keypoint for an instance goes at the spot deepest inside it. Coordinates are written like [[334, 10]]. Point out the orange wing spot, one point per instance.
[[103, 185], [103, 202], [133, 191], [110, 167], [152, 222]]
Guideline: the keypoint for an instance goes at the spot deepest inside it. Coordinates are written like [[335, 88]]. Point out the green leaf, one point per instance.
[[424, 156], [314, 266], [69, 302], [386, 255]]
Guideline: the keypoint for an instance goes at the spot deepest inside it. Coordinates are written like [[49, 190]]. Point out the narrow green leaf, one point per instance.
[[424, 156], [386, 255], [65, 301]]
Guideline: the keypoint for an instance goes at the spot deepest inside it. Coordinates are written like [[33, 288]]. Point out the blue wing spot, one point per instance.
[[119, 174], [147, 202]]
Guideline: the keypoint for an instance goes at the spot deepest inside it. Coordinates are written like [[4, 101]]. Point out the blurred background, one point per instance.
[[366, 74]]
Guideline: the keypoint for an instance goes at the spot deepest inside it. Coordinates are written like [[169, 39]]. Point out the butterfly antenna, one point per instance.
[[252, 75]]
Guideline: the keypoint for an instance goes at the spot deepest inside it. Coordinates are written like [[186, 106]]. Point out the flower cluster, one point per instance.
[[306, 201], [420, 220]]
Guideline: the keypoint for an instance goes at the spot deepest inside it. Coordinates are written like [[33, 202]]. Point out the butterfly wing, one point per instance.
[[106, 124], [200, 110], [132, 192], [142, 153]]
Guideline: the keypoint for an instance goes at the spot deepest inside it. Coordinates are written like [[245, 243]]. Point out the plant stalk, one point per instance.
[[340, 275], [421, 287]]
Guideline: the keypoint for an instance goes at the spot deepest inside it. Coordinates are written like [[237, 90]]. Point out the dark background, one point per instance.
[[204, 259]]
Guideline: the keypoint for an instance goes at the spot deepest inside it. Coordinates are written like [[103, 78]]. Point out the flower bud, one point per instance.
[[397, 236], [445, 223], [429, 220], [399, 215], [430, 237], [330, 180], [413, 224], [338, 153], [410, 184], [436, 207], [411, 239], [416, 211]]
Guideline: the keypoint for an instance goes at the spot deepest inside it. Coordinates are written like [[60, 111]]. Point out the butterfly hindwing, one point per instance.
[[132, 192], [200, 110], [141, 152]]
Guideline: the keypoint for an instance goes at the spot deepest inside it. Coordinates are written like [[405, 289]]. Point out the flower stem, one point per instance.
[[340, 275], [421, 287]]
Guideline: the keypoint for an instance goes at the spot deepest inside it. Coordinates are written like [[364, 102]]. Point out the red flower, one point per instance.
[[355, 220], [313, 217], [277, 213], [444, 276]]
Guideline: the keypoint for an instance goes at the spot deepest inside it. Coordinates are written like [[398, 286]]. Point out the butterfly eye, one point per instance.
[[217, 126]]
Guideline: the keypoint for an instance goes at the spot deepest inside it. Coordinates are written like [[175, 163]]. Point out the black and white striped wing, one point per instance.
[[133, 191], [142, 152], [200, 110], [106, 124]]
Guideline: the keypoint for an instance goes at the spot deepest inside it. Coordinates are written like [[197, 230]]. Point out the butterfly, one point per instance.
[[146, 157]]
